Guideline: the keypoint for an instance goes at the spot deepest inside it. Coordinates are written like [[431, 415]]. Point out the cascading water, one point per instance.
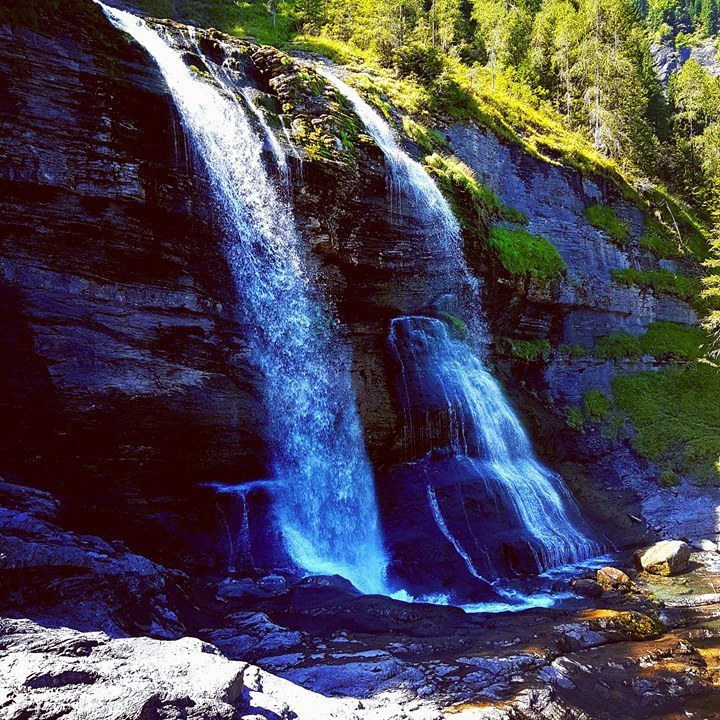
[[409, 186], [454, 408], [325, 501]]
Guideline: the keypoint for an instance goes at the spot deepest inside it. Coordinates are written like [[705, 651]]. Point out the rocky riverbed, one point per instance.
[[94, 631]]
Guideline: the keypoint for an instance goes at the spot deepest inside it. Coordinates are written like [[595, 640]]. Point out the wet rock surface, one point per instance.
[[322, 649]]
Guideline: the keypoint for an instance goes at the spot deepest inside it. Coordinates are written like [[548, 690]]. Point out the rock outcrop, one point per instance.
[[124, 357], [668, 557], [50, 574], [668, 59]]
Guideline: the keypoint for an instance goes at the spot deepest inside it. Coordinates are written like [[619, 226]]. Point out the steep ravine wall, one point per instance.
[[124, 361], [126, 374], [609, 479]]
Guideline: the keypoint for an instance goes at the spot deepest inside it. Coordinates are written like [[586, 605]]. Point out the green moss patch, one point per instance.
[[677, 417], [663, 340], [429, 140], [597, 409], [684, 288], [604, 218], [528, 350], [522, 253]]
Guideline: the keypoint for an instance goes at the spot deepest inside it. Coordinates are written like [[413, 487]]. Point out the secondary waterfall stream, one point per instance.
[[454, 407], [325, 499]]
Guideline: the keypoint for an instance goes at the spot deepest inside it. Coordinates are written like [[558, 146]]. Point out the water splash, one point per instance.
[[325, 499]]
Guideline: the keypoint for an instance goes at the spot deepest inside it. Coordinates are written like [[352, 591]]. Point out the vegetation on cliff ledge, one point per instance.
[[676, 416]]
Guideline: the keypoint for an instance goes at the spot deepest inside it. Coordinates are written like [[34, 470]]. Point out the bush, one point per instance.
[[423, 62], [604, 218], [522, 253]]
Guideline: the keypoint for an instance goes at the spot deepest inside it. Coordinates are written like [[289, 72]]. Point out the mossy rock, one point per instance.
[[623, 625]]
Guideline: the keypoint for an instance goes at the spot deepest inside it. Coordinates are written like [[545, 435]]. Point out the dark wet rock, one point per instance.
[[238, 588], [668, 557], [123, 360], [587, 588], [51, 574]]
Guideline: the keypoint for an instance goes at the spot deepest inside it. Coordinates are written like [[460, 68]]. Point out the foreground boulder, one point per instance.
[[668, 557], [610, 578], [52, 672]]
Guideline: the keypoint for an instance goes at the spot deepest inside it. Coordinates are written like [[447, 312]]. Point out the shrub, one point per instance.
[[604, 218], [423, 62], [522, 253]]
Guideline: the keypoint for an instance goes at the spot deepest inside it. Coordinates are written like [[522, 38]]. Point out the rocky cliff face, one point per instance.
[[669, 59], [124, 355], [127, 379], [587, 305]]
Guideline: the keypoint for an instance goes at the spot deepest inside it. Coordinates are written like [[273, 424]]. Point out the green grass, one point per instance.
[[659, 239], [596, 406], [604, 218], [684, 288], [234, 17], [524, 254], [531, 351], [663, 340], [677, 417], [596, 409], [463, 188], [429, 140]]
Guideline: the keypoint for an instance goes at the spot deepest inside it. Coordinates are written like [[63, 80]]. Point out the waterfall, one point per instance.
[[410, 188], [325, 499], [453, 404], [441, 378]]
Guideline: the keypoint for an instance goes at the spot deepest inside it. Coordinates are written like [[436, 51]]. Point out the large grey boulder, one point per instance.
[[668, 557], [48, 572], [52, 672]]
